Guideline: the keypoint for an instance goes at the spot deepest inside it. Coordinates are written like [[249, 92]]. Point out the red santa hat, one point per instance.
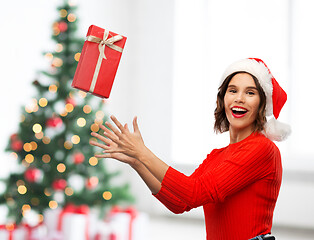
[[275, 95]]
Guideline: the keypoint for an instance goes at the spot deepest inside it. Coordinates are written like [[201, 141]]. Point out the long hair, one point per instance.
[[221, 121]]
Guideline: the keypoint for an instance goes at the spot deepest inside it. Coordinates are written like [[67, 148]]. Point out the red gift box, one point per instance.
[[99, 61]]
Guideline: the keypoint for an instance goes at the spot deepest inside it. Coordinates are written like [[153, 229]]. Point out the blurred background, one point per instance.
[[168, 76]]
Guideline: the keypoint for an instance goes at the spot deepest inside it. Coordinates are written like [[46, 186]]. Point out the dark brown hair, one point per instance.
[[221, 121]]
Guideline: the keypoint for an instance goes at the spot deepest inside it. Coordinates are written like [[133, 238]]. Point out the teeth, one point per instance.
[[238, 109]]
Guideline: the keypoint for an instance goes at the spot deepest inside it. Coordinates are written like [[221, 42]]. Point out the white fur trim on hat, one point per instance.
[[258, 70], [276, 131]]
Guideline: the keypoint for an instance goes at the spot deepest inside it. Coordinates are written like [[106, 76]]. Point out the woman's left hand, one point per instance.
[[125, 142]]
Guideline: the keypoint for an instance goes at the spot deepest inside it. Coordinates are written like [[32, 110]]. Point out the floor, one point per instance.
[[167, 228]]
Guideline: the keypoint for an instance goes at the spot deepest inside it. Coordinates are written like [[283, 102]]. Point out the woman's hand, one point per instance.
[[120, 143]]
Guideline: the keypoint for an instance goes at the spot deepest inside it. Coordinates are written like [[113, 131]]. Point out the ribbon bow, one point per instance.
[[105, 41], [10, 228]]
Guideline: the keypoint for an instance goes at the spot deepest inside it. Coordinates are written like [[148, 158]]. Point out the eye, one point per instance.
[[232, 90], [251, 93]]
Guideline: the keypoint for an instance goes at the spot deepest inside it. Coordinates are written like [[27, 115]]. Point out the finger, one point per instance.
[[101, 138], [103, 146], [118, 124], [126, 127], [107, 132], [135, 125], [114, 129], [102, 155]]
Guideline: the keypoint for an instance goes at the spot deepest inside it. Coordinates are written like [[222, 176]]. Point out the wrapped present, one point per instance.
[[12, 232], [72, 222], [99, 61], [124, 224]]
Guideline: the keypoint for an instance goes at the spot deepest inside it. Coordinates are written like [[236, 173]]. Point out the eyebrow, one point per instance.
[[249, 87]]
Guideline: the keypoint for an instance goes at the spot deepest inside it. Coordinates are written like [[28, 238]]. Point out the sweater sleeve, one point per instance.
[[242, 166], [173, 203]]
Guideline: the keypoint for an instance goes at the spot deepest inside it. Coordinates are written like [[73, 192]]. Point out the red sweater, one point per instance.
[[237, 186]]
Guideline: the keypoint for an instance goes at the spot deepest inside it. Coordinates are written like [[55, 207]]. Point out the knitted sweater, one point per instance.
[[237, 186]]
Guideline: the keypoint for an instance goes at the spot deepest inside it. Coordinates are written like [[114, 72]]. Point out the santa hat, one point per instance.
[[275, 95]]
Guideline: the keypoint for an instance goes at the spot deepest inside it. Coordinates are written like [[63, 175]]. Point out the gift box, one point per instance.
[[99, 61], [12, 232], [124, 224], [70, 223]]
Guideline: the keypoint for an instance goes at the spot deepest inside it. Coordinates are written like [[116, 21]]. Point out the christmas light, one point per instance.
[[37, 128], [77, 56], [68, 145], [26, 208], [25, 164], [22, 189], [87, 109], [57, 62], [39, 135], [69, 107], [46, 158], [53, 204], [29, 158], [10, 227], [71, 17], [99, 121], [34, 145], [46, 140], [63, 114], [27, 147], [81, 122], [63, 13], [61, 167], [49, 56], [75, 139], [100, 114], [20, 182], [94, 127], [43, 102], [93, 161], [53, 88], [68, 191], [47, 192], [107, 195], [82, 94]]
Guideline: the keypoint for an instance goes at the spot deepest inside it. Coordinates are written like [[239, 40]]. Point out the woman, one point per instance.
[[237, 185]]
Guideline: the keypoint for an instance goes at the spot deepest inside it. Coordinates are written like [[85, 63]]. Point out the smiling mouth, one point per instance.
[[238, 112]]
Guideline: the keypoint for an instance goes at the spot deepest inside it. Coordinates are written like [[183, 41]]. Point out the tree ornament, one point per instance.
[[92, 182], [54, 122], [32, 175], [59, 184], [17, 145], [63, 26], [78, 158]]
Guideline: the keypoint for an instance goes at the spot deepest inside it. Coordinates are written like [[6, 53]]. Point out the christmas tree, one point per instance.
[[56, 165]]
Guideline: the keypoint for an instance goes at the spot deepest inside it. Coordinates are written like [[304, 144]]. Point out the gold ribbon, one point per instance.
[[105, 41]]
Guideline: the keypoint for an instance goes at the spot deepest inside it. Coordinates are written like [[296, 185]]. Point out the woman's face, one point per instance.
[[241, 103]]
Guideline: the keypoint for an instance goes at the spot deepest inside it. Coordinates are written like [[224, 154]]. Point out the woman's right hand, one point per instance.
[[107, 142]]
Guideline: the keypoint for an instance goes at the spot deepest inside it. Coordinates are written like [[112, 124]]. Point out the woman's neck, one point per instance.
[[237, 135]]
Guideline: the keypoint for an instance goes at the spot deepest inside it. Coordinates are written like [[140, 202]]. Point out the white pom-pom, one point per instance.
[[276, 131]]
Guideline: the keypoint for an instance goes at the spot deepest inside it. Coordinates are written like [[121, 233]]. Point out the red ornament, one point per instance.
[[78, 158], [32, 175], [54, 122], [92, 182], [16, 145], [59, 184], [14, 137], [63, 26], [71, 101]]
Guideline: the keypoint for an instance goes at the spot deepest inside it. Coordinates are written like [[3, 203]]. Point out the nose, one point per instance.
[[239, 98]]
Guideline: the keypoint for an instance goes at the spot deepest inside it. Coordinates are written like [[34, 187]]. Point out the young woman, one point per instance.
[[237, 185]]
